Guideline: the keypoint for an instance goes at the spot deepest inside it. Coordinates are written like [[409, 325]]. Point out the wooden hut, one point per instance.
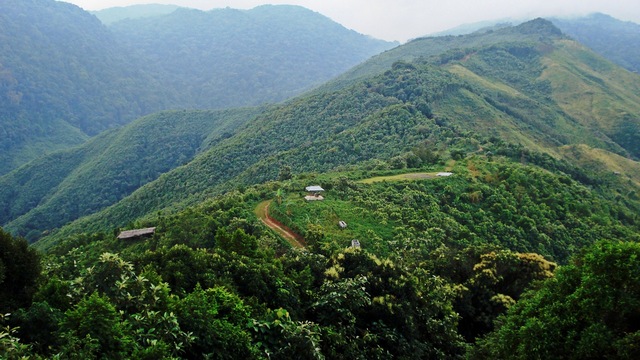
[[136, 233], [314, 193]]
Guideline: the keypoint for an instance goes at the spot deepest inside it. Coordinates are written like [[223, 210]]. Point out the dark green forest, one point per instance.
[[64, 76], [110, 166], [440, 260]]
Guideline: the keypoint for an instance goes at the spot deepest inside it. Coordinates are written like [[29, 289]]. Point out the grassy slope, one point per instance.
[[603, 161], [435, 46], [594, 92]]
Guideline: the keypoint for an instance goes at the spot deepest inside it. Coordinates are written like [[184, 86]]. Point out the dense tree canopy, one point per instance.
[[589, 310]]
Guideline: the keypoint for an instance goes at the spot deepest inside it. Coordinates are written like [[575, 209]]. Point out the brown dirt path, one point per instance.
[[262, 212]]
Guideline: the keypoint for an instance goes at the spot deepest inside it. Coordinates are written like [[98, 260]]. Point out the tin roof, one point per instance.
[[314, 188], [128, 234]]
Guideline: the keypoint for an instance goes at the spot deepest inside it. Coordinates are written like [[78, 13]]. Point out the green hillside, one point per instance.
[[440, 258], [64, 76], [412, 115], [62, 187], [614, 39], [435, 46], [528, 244]]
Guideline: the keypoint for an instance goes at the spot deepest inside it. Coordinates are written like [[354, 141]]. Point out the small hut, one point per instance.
[[314, 193], [342, 224], [137, 233], [355, 244]]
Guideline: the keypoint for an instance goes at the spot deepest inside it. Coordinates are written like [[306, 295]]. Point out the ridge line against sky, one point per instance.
[[401, 20]]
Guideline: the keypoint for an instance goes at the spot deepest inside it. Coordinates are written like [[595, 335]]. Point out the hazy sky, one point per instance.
[[406, 19]]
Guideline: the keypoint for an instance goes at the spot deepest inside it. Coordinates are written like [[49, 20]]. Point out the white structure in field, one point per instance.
[[314, 193]]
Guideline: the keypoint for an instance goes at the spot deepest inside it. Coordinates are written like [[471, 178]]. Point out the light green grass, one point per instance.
[[400, 177]]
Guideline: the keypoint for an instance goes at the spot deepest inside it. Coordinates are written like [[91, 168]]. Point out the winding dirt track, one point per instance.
[[262, 211]]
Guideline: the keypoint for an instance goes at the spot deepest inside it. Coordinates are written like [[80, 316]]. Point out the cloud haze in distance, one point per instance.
[[406, 19]]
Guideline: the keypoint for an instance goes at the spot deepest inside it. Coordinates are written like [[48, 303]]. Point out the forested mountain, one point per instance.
[[490, 187], [110, 166], [64, 76], [432, 272], [115, 14], [613, 39], [228, 57], [451, 104], [618, 41]]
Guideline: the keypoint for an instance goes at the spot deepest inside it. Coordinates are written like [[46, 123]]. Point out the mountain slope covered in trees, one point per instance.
[[414, 114], [228, 57], [64, 76], [110, 166], [445, 267], [433, 270]]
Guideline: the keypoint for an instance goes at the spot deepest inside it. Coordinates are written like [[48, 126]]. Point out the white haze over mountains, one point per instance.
[[402, 20]]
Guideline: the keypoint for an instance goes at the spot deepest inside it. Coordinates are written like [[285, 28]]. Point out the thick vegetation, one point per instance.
[[522, 208], [109, 167], [415, 113], [589, 310], [64, 75], [433, 272], [444, 267]]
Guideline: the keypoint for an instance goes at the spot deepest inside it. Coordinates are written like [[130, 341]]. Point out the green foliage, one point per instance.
[[19, 270], [407, 314], [297, 49], [488, 282], [589, 310], [97, 325], [39, 326], [109, 167], [522, 208], [10, 346], [96, 83], [67, 76], [217, 320], [440, 257], [283, 338], [412, 115]]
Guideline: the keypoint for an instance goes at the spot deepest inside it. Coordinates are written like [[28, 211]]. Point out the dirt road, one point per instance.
[[262, 211]]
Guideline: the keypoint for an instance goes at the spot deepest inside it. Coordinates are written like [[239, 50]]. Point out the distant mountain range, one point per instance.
[[64, 76], [229, 57]]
